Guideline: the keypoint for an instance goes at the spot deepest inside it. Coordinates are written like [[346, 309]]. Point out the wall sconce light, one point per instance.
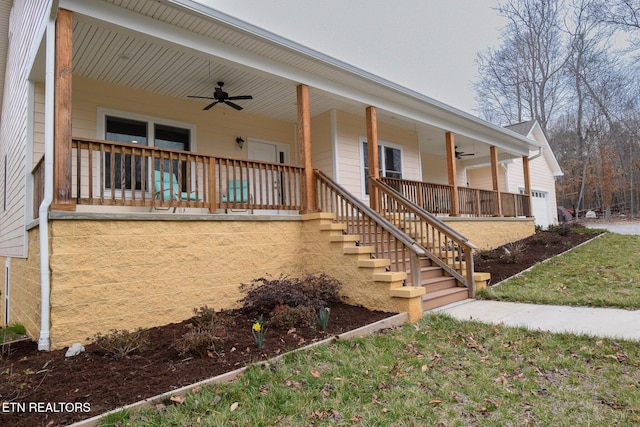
[[240, 142]]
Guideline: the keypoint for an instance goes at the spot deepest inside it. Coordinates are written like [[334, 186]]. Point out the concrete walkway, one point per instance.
[[620, 228], [597, 322]]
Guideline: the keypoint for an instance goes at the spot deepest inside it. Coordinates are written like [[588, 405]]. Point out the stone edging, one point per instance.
[[548, 259], [388, 322]]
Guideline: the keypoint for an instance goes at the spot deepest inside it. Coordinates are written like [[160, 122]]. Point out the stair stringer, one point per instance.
[[366, 281]]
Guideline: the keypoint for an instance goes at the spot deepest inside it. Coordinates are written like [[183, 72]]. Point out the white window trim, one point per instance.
[[150, 120], [363, 178]]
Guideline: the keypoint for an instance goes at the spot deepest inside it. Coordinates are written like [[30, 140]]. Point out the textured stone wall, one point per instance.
[[25, 287], [489, 233], [125, 274], [129, 274]]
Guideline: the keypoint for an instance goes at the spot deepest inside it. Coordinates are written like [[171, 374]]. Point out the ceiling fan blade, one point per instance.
[[210, 105], [231, 104], [199, 97], [233, 98]]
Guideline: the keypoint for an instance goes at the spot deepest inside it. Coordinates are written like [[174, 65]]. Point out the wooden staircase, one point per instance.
[[415, 245], [441, 288]]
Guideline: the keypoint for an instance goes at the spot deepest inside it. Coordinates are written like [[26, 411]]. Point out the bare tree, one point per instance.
[[522, 79]]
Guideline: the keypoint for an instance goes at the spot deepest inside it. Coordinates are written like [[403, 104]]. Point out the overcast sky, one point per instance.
[[426, 45]]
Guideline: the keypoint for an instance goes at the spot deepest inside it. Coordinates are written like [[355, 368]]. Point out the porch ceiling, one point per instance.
[[171, 48]]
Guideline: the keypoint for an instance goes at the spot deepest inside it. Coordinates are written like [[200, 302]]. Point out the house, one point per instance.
[[156, 154], [543, 169]]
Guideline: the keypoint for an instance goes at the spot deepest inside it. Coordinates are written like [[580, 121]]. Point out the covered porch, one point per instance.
[[313, 123]]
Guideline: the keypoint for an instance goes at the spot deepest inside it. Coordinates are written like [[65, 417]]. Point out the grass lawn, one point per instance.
[[602, 273], [439, 371]]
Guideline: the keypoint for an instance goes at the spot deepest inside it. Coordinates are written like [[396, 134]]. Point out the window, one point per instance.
[[124, 130], [389, 162], [147, 131]]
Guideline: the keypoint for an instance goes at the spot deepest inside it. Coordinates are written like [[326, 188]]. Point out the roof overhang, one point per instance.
[[258, 62]]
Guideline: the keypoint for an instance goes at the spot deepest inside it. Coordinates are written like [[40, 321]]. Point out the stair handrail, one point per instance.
[[409, 243], [432, 221]]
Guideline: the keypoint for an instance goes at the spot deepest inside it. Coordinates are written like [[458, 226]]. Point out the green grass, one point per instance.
[[439, 371], [602, 273]]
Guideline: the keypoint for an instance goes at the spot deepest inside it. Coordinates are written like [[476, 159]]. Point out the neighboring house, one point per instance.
[[136, 187], [543, 169]]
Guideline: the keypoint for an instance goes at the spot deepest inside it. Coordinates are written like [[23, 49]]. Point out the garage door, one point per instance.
[[540, 207]]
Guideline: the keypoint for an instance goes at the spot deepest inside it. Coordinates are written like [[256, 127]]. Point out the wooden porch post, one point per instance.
[[527, 181], [453, 174], [304, 144], [372, 152], [62, 112], [494, 176]]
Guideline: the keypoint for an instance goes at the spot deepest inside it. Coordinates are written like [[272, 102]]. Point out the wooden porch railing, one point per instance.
[[123, 174], [435, 198], [515, 204], [444, 246], [373, 230]]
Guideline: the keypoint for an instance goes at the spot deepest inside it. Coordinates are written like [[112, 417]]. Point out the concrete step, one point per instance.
[[443, 297]]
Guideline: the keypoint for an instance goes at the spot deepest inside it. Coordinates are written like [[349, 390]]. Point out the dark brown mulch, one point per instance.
[[101, 383], [541, 246]]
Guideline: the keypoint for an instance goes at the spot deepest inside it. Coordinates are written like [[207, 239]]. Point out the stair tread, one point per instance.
[[444, 292]]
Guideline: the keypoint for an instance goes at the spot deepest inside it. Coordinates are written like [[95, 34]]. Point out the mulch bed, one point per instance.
[[539, 247], [96, 383]]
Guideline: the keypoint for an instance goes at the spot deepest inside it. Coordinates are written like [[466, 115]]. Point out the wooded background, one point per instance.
[[573, 66]]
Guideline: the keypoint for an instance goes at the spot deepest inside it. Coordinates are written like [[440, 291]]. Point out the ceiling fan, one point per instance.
[[222, 97], [460, 154]]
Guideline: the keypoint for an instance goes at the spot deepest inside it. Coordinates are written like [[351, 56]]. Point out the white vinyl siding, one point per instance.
[[350, 130], [25, 26]]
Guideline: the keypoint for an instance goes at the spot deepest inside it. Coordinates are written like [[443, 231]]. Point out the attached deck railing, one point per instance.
[[444, 246], [474, 202], [123, 174], [373, 229]]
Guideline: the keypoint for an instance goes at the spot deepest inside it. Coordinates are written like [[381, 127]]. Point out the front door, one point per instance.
[[265, 151]]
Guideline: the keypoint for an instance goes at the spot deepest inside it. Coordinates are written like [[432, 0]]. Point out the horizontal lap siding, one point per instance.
[[216, 129], [27, 19], [350, 129], [322, 143]]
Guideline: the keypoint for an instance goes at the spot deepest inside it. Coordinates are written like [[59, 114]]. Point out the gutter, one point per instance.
[[204, 9], [535, 156], [44, 343]]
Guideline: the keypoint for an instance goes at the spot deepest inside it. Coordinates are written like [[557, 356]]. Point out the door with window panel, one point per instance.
[[389, 163]]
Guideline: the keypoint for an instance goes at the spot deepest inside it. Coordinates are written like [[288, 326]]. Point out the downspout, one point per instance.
[[535, 156], [44, 342]]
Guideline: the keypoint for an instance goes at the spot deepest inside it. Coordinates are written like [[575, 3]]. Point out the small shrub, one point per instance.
[[120, 343], [286, 317], [513, 251], [488, 254], [209, 329], [561, 229], [313, 291]]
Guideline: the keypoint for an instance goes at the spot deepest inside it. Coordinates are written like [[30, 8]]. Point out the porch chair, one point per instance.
[[237, 192], [169, 182]]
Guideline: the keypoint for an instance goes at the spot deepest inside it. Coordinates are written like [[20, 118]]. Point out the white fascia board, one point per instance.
[[460, 116], [454, 121]]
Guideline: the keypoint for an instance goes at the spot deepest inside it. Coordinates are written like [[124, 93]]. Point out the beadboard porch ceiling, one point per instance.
[[126, 55]]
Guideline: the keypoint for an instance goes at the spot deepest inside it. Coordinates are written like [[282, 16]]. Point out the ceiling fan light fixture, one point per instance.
[[222, 97]]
